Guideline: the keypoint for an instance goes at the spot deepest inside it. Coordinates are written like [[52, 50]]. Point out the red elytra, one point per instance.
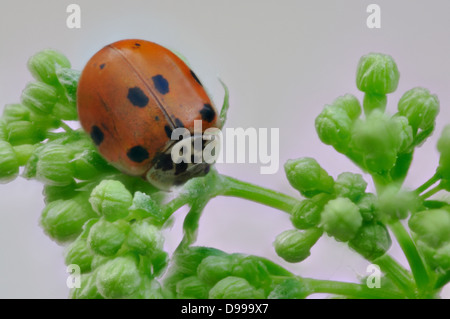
[[131, 95]]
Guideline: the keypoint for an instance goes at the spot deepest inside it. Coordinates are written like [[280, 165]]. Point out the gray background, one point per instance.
[[282, 60]]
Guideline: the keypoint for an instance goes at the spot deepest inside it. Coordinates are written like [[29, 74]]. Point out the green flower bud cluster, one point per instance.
[[44, 103], [203, 272], [430, 229], [380, 144], [340, 207], [119, 253]]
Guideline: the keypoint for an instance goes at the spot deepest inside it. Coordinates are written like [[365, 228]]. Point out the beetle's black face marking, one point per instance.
[[168, 131], [196, 78], [178, 123], [137, 154], [164, 162], [180, 168], [97, 135], [161, 84], [207, 113], [102, 66], [137, 97]]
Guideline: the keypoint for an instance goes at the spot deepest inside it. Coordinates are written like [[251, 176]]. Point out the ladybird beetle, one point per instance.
[[131, 95]]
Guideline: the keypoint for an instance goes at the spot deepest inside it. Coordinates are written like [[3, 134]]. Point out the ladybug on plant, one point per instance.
[[131, 96]]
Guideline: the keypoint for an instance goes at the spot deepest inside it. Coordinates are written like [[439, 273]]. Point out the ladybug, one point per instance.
[[131, 95]]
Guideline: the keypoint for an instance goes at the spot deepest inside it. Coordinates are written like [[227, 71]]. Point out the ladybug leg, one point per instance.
[[225, 105]]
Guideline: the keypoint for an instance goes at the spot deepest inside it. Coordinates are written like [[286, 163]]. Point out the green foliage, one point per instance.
[[112, 225]]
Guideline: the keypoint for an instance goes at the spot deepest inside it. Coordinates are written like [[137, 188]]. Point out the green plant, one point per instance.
[[111, 223]]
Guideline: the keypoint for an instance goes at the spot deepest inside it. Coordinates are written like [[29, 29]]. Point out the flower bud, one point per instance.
[[69, 81], [234, 288], [145, 238], [118, 278], [54, 167], [3, 134], [39, 97], [442, 257], [79, 253], [350, 104], [23, 153], [350, 185], [306, 175], [252, 269], [377, 74], [23, 132], [184, 263], [214, 268], [64, 111], [371, 241], [396, 203], [368, 207], [146, 207], [43, 65], [307, 213], [63, 220], [341, 219], [377, 141], [420, 107], [333, 125], [399, 126], [52, 193], [106, 238], [15, 112], [295, 245], [9, 165], [88, 288], [111, 199], [191, 288], [88, 164], [431, 226]]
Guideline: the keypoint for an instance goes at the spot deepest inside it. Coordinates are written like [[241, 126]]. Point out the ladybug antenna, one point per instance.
[[225, 105]]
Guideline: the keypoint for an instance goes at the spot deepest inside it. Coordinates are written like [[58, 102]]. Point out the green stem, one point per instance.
[[442, 280], [191, 223], [431, 192], [66, 127], [380, 181], [428, 183], [397, 274], [351, 290], [175, 204], [236, 188], [418, 269]]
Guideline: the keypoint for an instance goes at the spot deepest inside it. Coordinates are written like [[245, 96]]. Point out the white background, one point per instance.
[[282, 60]]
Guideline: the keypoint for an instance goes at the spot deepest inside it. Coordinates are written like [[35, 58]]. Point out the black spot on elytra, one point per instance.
[[207, 112], [97, 135], [163, 161], [168, 131], [137, 154], [180, 168], [178, 123], [196, 78], [156, 118], [137, 97], [137, 44], [161, 84], [102, 66]]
